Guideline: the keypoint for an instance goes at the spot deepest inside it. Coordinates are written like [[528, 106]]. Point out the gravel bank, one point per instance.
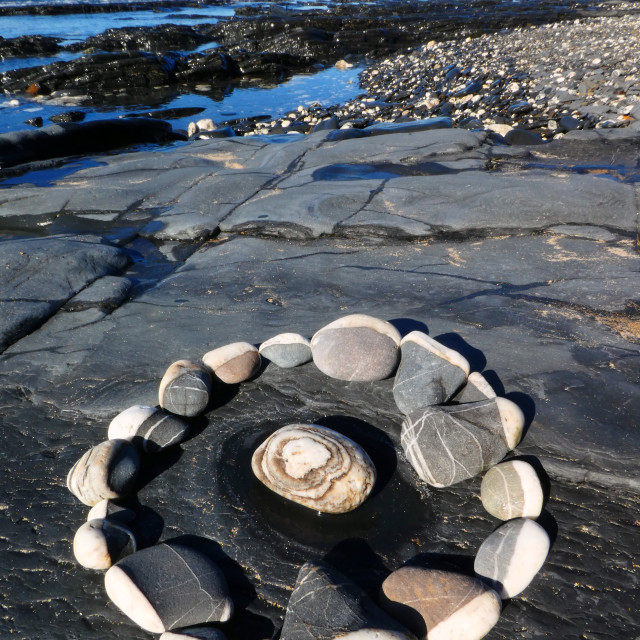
[[546, 79]]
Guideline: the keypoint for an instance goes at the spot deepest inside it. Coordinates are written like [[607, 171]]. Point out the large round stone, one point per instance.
[[316, 467], [357, 347]]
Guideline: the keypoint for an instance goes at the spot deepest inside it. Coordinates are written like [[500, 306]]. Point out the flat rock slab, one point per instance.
[[546, 308]]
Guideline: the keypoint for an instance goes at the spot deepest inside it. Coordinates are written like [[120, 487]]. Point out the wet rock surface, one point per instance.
[[517, 258]]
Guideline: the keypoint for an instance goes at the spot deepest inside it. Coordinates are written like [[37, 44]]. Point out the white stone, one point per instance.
[[510, 573]]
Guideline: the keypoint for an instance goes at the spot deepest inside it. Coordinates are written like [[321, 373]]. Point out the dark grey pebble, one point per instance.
[[168, 586], [325, 604]]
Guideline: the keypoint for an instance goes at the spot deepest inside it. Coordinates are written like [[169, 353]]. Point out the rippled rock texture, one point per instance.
[[520, 260]]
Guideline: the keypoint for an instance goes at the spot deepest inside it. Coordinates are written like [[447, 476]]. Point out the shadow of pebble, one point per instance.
[[407, 325], [355, 559], [244, 624], [475, 357]]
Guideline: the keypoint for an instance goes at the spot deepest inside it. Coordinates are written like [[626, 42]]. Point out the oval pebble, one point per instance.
[[185, 389], [233, 363], [440, 605], [315, 467], [149, 427], [357, 347], [512, 555], [107, 471], [287, 350], [512, 490], [100, 543]]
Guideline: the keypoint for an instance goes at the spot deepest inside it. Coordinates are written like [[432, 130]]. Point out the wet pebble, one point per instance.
[[185, 389], [168, 586], [440, 605], [449, 444], [315, 467], [107, 471], [512, 490], [148, 427], [357, 347], [512, 555], [287, 350], [100, 543], [233, 363], [429, 373]]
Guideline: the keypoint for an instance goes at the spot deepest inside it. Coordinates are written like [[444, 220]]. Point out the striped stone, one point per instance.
[[512, 490], [512, 555], [449, 444], [107, 471], [440, 605], [185, 388], [149, 427]]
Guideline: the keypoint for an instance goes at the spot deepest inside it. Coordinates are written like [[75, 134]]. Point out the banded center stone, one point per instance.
[[303, 454]]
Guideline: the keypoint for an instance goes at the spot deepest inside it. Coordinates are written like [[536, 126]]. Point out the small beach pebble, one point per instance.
[[429, 373], [185, 389], [448, 444], [512, 555], [440, 605], [149, 427], [512, 490], [287, 350], [194, 633], [357, 347], [110, 510], [168, 586], [315, 467], [476, 389], [107, 471], [100, 543], [233, 363]]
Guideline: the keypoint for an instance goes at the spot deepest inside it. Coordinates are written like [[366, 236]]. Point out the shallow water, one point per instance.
[[328, 87]]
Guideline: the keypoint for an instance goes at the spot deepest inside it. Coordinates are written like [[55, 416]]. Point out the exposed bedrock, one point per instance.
[[528, 267]]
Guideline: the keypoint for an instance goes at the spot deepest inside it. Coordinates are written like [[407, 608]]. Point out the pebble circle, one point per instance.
[[176, 590]]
